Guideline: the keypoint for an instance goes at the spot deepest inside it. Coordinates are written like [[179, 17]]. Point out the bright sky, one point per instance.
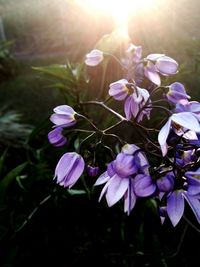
[[120, 10]]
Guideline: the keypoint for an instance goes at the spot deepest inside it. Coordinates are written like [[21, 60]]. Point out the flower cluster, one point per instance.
[[164, 164]]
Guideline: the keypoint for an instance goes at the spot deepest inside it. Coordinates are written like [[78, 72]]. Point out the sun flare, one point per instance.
[[120, 10]]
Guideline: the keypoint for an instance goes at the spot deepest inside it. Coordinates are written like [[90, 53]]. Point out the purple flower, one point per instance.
[[118, 89], [143, 185], [166, 183], [176, 93], [151, 73], [69, 168], [178, 120], [166, 65], [56, 138], [188, 106], [134, 52], [140, 158], [135, 102], [122, 180], [64, 116], [159, 63], [94, 58], [175, 199], [175, 206], [92, 171], [193, 182]]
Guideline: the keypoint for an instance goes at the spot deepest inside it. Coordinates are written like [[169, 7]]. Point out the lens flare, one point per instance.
[[119, 10]]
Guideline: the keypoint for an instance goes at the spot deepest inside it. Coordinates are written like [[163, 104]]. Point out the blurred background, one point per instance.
[[41, 225]]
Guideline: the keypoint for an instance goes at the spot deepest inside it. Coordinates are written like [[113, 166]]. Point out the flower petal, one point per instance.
[[167, 65], [103, 178], [162, 137], [154, 57], [194, 203], [64, 109], [130, 198], [143, 185], [153, 76], [175, 207], [187, 120], [116, 189]]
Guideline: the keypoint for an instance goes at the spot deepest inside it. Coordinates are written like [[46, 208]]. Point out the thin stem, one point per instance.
[[80, 130], [113, 126], [180, 243], [107, 99], [105, 107], [34, 211], [191, 224], [102, 80], [84, 140], [160, 107], [117, 137], [115, 58], [90, 122]]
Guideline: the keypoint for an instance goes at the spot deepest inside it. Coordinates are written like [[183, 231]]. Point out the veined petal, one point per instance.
[[94, 58], [143, 185], [104, 190], [153, 76], [62, 120], [64, 165], [75, 172], [127, 107], [116, 189], [103, 178], [194, 203], [69, 169], [175, 207], [162, 136], [124, 165], [166, 65], [129, 198], [64, 109], [154, 57], [187, 120]]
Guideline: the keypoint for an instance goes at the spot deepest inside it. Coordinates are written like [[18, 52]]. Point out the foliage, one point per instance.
[[8, 65]]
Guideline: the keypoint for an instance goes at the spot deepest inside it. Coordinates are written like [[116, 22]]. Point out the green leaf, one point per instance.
[[57, 71], [74, 192], [10, 177]]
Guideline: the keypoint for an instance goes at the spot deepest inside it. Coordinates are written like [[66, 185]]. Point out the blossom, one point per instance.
[[151, 73], [176, 93], [135, 102], [123, 180], [166, 65], [139, 156], [178, 120], [92, 171], [159, 64], [56, 138], [188, 106], [135, 52], [64, 116], [94, 58], [166, 183], [118, 89], [188, 188], [69, 169]]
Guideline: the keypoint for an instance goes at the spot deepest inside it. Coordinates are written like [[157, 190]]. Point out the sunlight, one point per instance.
[[119, 10]]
